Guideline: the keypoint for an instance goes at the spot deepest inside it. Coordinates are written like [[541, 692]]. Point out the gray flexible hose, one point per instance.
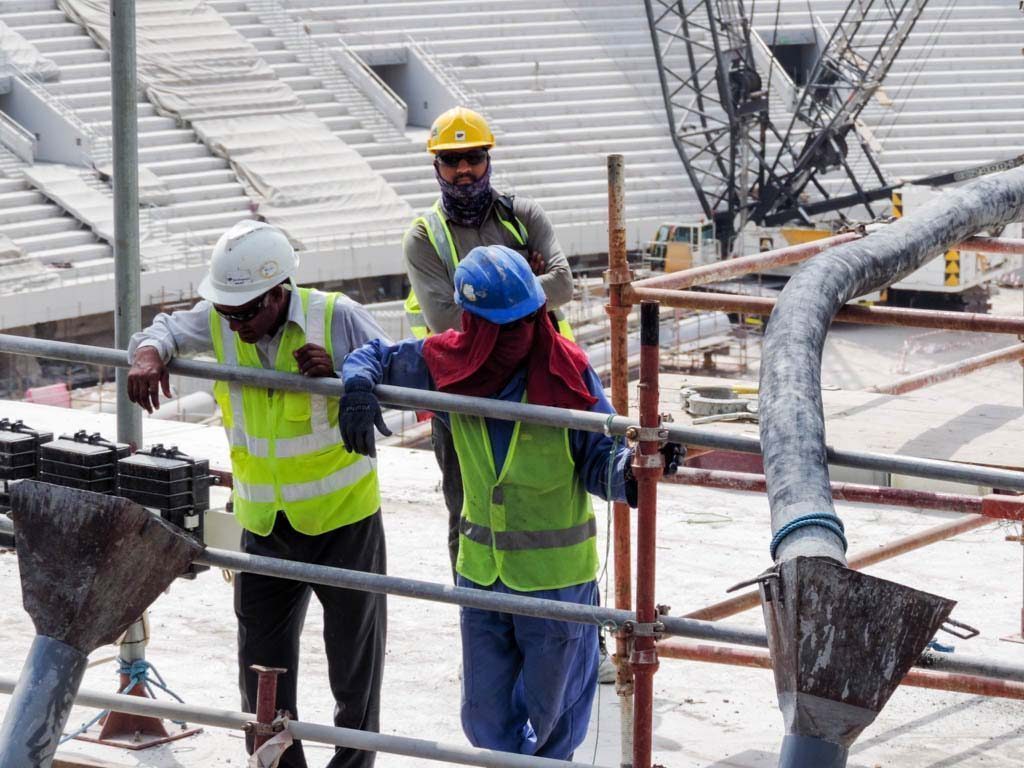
[[792, 421]]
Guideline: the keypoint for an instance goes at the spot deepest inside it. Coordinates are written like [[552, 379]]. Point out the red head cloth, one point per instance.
[[480, 360]]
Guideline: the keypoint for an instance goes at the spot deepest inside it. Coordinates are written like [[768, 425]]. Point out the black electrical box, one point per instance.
[[19, 455], [19, 450], [84, 461], [172, 483]]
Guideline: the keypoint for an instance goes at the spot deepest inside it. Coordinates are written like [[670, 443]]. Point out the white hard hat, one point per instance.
[[248, 260]]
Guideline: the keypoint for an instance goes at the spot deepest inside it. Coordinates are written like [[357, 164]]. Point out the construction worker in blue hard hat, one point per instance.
[[526, 525], [468, 213], [298, 494]]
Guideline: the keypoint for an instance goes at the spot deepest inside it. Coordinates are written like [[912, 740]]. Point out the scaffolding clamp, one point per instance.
[[278, 724], [647, 434], [653, 629]]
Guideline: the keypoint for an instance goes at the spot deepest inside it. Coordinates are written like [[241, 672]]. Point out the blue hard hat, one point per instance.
[[496, 283]]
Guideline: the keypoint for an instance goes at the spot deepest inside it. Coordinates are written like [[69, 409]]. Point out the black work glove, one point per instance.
[[673, 455], [359, 414]]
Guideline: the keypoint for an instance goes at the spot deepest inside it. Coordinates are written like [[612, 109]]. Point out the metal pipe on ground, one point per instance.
[[342, 737], [90, 564], [811, 600], [953, 370], [908, 318], [915, 678], [618, 275], [497, 409]]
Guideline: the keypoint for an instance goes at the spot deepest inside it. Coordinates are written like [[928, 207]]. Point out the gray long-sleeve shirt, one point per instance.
[[188, 331], [433, 280]]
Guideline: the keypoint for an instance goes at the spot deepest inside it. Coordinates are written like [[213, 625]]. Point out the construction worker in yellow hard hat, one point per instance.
[[298, 493], [471, 213]]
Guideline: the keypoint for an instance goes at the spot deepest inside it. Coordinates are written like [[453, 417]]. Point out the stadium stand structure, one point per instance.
[[564, 83]]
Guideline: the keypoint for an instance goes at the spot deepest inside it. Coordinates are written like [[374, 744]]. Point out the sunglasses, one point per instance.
[[452, 159], [243, 315]]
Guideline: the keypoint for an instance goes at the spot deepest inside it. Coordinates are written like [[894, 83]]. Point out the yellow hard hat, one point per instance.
[[459, 128]]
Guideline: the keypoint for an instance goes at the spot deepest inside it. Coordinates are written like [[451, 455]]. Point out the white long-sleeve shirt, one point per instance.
[[187, 331]]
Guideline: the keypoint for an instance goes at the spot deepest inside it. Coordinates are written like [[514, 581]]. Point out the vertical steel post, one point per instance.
[[619, 274], [266, 700], [647, 468], [124, 115], [127, 310]]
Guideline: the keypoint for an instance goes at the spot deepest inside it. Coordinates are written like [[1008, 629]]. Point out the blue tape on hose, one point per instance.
[[821, 519]]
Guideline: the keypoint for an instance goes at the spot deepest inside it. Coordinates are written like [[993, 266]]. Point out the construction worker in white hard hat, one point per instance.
[[298, 493]]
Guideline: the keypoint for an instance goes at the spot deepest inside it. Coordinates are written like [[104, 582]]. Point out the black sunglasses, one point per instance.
[[452, 159], [243, 315]]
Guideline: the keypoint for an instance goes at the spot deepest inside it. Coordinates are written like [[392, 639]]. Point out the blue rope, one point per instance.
[[821, 519], [935, 645], [137, 673]]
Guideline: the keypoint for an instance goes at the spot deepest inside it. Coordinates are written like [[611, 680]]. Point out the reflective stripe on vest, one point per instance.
[[286, 451], [513, 540], [440, 238], [531, 525]]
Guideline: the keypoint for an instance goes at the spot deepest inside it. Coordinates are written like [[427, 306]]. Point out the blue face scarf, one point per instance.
[[466, 204]]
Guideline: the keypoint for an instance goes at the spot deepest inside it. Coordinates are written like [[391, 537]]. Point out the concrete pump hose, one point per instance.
[[792, 421]]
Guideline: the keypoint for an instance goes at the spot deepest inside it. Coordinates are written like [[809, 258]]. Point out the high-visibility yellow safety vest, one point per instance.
[[440, 237], [286, 451], [532, 525]]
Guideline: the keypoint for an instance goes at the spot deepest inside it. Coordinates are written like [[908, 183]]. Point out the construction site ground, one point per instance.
[[705, 715]]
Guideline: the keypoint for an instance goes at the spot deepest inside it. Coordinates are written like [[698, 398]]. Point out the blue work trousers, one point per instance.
[[527, 683]]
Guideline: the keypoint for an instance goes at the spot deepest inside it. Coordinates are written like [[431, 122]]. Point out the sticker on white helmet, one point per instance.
[[238, 277], [268, 269], [468, 292], [460, 135]]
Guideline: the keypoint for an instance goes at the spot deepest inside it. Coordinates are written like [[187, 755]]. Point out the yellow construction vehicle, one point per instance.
[[682, 246]]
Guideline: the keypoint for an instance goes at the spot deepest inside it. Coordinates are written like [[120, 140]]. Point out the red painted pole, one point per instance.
[[647, 468], [795, 254], [910, 318], [951, 371], [916, 678], [266, 700], [870, 494], [745, 265]]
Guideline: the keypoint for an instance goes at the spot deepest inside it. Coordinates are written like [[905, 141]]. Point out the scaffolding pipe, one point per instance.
[[619, 274], [916, 678], [532, 606], [854, 492], [792, 419], [340, 737], [953, 370], [647, 467], [796, 254], [745, 265], [908, 318], [565, 418], [752, 599], [124, 127]]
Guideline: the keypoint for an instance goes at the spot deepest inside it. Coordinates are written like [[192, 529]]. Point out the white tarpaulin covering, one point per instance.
[[190, 60], [313, 185], [16, 50], [66, 186], [19, 272], [310, 183]]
